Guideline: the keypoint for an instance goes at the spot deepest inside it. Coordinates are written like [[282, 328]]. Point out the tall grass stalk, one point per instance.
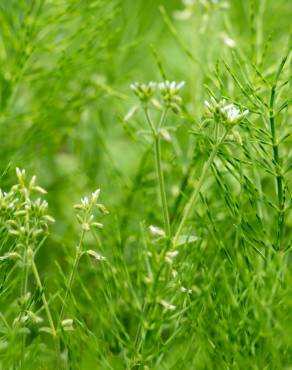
[[44, 299], [158, 163], [277, 162], [69, 285], [190, 205]]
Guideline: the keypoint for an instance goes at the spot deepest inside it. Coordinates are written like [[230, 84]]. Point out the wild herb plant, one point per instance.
[[191, 267], [170, 101]]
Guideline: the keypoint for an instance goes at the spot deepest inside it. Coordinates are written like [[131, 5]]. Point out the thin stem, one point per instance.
[[44, 299], [24, 291], [157, 153], [196, 192], [149, 120], [276, 159], [162, 119], [159, 170], [72, 275]]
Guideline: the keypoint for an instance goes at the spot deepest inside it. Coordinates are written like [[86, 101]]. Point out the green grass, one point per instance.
[[186, 262]]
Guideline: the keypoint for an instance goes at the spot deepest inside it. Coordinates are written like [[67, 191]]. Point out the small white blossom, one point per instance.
[[170, 94], [170, 256], [85, 226], [185, 290], [144, 91], [25, 217], [95, 195], [20, 174], [84, 214], [167, 305], [157, 231], [227, 40], [225, 113], [172, 87], [67, 325], [85, 201], [95, 254]]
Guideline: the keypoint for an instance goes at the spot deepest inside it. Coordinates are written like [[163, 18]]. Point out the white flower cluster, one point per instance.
[[170, 94], [144, 91], [25, 217], [227, 114], [85, 208], [169, 91]]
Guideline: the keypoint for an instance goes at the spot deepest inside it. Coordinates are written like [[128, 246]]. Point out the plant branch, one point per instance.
[[196, 192]]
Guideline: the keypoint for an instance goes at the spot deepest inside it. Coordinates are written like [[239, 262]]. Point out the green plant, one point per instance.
[[191, 269]]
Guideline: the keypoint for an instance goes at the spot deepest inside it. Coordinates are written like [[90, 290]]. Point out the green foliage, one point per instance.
[[188, 264]]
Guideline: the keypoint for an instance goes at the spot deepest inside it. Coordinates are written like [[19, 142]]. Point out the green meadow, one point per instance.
[[145, 176]]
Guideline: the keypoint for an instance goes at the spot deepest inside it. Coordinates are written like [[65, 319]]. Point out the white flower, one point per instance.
[[157, 231], [84, 214], [144, 91], [227, 114], [170, 94], [170, 256], [167, 305], [171, 86], [233, 114], [227, 40], [95, 254], [185, 290], [85, 201], [95, 195], [20, 174], [67, 324]]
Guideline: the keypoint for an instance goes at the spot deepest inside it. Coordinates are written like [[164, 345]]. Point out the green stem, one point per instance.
[[44, 299], [24, 291], [159, 170], [157, 153], [196, 192], [72, 275], [276, 159]]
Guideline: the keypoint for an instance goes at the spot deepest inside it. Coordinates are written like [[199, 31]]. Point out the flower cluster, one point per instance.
[[144, 91], [85, 216], [25, 217], [170, 94], [169, 91], [228, 114]]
